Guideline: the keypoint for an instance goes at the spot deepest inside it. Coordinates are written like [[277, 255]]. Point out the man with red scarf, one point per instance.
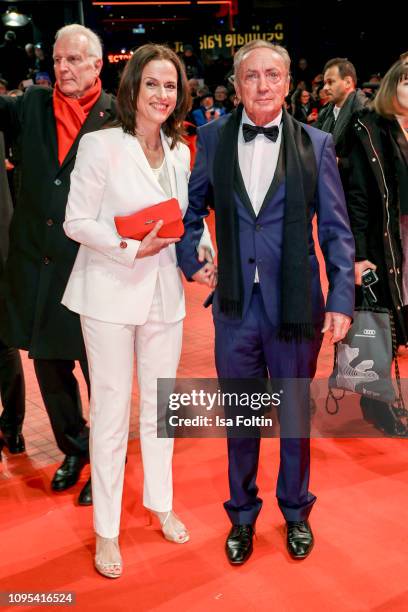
[[47, 125]]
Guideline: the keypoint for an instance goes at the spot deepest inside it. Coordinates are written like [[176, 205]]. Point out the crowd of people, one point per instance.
[[74, 290]]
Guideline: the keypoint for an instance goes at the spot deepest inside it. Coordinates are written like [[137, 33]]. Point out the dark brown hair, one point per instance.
[[385, 102], [129, 88], [346, 68]]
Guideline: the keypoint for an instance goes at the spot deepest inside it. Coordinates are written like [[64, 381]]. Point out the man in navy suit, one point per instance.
[[270, 175]]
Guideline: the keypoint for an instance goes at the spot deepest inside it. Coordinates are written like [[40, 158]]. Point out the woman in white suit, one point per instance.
[[129, 293]]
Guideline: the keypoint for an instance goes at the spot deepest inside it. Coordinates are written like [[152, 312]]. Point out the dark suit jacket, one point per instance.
[[40, 254], [261, 236], [340, 129]]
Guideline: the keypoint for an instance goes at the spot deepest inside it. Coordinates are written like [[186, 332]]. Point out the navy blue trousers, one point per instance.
[[251, 350]]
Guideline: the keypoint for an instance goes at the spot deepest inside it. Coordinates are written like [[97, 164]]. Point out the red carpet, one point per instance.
[[360, 523], [359, 561]]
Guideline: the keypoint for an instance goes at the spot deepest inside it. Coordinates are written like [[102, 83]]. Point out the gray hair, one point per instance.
[[242, 53], [94, 42]]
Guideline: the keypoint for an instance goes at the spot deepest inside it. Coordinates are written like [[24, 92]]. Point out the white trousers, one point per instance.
[[110, 350]]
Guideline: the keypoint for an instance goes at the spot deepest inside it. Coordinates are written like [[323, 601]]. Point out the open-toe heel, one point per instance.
[[172, 528], [109, 569]]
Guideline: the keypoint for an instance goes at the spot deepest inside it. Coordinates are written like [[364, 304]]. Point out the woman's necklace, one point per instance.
[[145, 145], [154, 154]]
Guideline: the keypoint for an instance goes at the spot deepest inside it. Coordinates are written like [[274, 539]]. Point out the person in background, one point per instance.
[[193, 65], [304, 109], [322, 97], [193, 86], [30, 53], [43, 79], [340, 84], [317, 82], [207, 111], [129, 292], [221, 98], [12, 386], [43, 62], [304, 73], [377, 200], [47, 125]]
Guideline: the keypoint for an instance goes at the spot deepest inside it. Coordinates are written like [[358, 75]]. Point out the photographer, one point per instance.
[[206, 111]]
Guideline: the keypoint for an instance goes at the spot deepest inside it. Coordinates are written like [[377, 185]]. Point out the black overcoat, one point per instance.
[[40, 254]]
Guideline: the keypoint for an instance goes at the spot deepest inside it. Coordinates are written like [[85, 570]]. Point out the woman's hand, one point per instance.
[[359, 268], [152, 244]]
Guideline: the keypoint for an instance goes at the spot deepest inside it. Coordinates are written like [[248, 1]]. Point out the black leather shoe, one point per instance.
[[299, 539], [14, 442], [68, 473], [85, 496], [239, 544]]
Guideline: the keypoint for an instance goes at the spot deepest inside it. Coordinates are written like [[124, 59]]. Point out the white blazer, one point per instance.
[[112, 177]]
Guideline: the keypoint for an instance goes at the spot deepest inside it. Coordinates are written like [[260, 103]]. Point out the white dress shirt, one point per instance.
[[257, 161]]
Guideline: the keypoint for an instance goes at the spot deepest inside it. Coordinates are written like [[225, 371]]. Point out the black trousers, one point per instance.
[[12, 390], [60, 392]]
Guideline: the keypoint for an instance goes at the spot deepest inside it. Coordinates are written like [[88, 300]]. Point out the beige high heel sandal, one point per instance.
[[108, 569], [172, 528]]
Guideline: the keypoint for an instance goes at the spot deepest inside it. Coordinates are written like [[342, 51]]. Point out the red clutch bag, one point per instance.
[[142, 222]]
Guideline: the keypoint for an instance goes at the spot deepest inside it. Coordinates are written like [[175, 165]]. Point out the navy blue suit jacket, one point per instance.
[[261, 236]]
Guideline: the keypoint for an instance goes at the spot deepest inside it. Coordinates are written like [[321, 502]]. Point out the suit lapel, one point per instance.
[[99, 115], [226, 172], [171, 162], [278, 177], [51, 134], [240, 188], [344, 118]]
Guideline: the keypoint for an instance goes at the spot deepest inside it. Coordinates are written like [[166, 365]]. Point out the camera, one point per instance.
[[368, 278]]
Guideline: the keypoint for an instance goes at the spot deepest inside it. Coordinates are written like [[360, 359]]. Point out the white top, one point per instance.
[[336, 110], [162, 175]]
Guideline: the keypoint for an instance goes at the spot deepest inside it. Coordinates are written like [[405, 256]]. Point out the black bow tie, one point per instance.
[[251, 131]]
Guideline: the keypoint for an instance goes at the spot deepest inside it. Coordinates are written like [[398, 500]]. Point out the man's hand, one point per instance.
[[336, 323], [359, 268], [207, 275], [204, 254], [151, 244]]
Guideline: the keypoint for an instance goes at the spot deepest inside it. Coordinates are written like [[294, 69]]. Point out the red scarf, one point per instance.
[[70, 114]]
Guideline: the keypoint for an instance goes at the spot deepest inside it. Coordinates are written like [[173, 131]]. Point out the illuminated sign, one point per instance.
[[115, 58], [224, 40], [234, 39]]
